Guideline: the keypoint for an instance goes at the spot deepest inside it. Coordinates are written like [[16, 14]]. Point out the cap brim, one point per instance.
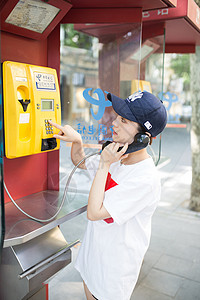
[[121, 108]]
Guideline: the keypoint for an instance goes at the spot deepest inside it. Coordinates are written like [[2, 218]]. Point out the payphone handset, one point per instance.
[[31, 98]]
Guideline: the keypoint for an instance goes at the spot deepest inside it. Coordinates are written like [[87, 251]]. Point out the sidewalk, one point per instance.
[[171, 268]]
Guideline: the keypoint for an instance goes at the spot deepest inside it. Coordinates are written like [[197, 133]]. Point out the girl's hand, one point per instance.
[[110, 154], [66, 133]]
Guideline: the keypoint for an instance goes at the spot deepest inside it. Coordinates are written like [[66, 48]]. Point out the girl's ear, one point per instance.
[[147, 133], [150, 137]]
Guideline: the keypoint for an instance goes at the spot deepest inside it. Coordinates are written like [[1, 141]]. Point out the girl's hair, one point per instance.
[[141, 129]]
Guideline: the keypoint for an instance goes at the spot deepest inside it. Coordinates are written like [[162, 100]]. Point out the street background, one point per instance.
[[171, 267]]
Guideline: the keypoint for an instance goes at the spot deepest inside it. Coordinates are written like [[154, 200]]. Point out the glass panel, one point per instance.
[[2, 224], [154, 67], [90, 68], [154, 73]]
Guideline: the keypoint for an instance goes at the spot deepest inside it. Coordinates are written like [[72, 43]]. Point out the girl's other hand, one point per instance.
[[66, 133], [110, 154]]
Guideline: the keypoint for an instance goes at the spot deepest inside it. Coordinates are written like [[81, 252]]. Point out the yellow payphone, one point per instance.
[[132, 86], [31, 98], [141, 85]]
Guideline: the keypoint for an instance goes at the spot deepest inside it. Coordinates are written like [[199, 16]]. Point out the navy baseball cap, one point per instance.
[[143, 108]]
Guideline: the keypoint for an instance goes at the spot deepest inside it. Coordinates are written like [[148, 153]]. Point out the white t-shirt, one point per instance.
[[111, 254]]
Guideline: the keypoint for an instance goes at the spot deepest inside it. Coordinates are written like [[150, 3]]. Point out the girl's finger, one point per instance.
[[124, 148], [60, 132], [59, 137], [55, 125], [116, 146]]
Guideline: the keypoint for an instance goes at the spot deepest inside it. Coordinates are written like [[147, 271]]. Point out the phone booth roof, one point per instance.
[[58, 9], [181, 18]]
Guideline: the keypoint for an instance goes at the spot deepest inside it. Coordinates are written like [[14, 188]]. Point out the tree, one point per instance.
[[76, 39], [197, 2], [195, 130], [180, 64]]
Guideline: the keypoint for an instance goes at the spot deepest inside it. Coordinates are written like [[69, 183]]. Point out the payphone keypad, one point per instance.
[[48, 143], [48, 127]]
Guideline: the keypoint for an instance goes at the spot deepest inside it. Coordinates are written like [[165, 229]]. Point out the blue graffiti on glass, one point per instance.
[[102, 132], [170, 98], [102, 103], [89, 134], [81, 129], [92, 130]]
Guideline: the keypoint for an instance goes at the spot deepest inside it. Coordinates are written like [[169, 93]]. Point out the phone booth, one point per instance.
[[33, 250], [2, 217], [43, 81]]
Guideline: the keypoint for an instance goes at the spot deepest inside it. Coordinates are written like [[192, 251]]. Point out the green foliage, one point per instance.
[[197, 2], [76, 39], [180, 64]]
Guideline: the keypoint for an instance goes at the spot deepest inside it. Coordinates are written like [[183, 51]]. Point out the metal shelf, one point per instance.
[[42, 205]]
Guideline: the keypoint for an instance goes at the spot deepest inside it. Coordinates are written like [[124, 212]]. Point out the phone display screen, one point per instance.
[[47, 104]]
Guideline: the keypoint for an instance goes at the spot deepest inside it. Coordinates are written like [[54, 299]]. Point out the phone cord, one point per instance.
[[63, 197]]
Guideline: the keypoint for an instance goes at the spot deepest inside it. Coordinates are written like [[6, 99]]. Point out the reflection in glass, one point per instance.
[[154, 73], [91, 67], [2, 224], [107, 59]]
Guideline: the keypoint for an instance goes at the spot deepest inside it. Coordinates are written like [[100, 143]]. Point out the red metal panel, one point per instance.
[[25, 175], [105, 32], [32, 174], [145, 4], [53, 170], [179, 31], [103, 15], [47, 291], [152, 30], [166, 13], [180, 48], [110, 30], [53, 50], [193, 15], [2, 3], [181, 25], [53, 55], [24, 50], [8, 7]]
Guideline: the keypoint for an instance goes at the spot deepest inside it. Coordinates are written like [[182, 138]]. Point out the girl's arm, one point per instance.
[[95, 209], [68, 134]]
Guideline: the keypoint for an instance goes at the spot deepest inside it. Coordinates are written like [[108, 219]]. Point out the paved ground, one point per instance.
[[171, 268]]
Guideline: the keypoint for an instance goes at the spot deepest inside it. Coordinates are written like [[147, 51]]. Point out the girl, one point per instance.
[[123, 197]]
